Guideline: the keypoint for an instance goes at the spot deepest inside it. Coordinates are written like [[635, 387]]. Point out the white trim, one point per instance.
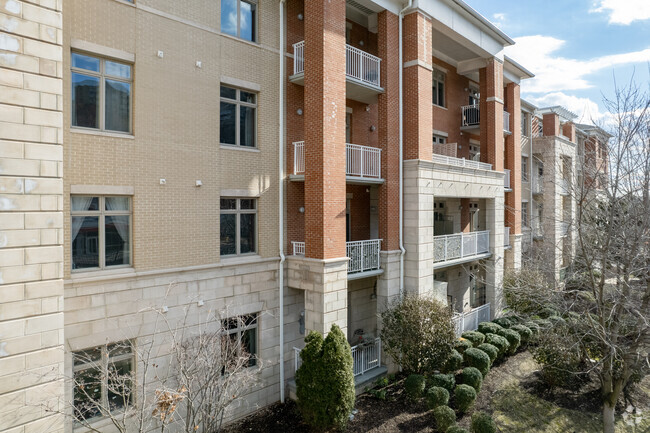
[[494, 98], [239, 148], [102, 190], [236, 193], [104, 51], [440, 68], [440, 133], [418, 62], [236, 82], [90, 131]]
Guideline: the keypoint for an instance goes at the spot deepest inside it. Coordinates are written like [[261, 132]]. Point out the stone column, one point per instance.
[[494, 265], [513, 163], [491, 107], [31, 218]]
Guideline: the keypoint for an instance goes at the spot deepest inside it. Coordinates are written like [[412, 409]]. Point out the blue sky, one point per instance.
[[575, 47]]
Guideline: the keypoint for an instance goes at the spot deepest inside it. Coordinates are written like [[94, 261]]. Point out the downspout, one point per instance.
[[401, 154], [281, 196]]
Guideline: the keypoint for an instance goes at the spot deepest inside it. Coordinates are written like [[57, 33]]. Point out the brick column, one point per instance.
[[325, 128], [418, 110], [464, 215], [551, 124], [31, 219], [491, 106], [513, 159]]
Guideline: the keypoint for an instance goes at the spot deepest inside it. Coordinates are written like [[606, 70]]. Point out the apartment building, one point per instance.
[[296, 164]]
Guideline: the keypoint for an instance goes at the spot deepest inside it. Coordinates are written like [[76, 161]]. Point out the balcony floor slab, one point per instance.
[[366, 274], [354, 89], [454, 262], [353, 180]]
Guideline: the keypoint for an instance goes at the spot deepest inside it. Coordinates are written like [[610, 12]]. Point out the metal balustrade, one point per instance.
[[506, 236], [298, 248], [460, 245], [506, 121], [360, 161], [471, 115], [363, 255], [469, 321], [365, 356], [506, 179], [461, 162], [299, 157]]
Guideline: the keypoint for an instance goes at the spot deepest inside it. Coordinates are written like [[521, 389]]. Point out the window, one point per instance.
[[242, 333], [101, 93], [101, 231], [524, 214], [238, 18], [439, 139], [438, 88], [103, 380], [524, 124], [238, 226], [524, 169], [475, 152], [238, 112]]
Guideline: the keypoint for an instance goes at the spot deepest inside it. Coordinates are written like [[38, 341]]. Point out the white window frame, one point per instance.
[[524, 169], [255, 24], [436, 81], [439, 139], [525, 214], [239, 211], [238, 104]]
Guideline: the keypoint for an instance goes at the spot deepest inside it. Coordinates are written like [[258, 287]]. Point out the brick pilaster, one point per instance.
[[513, 158], [491, 106], [464, 215], [551, 125]]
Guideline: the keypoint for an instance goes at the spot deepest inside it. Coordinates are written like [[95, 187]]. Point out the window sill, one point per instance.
[[235, 38], [82, 275], [440, 106], [236, 260], [74, 130], [242, 148]]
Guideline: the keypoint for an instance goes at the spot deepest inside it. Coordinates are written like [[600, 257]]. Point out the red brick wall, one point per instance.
[[491, 84], [359, 212], [513, 158], [569, 131], [359, 33], [551, 124]]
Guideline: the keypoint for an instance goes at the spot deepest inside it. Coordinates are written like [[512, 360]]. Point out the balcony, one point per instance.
[[362, 163], [506, 237], [564, 187], [506, 122], [471, 118], [363, 255], [460, 248], [365, 357], [538, 185], [461, 162], [506, 180], [362, 73], [564, 228], [469, 321]]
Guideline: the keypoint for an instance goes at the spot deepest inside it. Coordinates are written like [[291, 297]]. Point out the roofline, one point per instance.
[[560, 111], [587, 128], [528, 105], [524, 73], [494, 29]]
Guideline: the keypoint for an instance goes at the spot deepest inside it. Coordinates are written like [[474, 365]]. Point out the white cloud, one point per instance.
[[556, 73], [586, 109], [624, 11], [499, 19]]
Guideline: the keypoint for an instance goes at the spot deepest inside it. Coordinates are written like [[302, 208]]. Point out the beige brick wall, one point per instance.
[[31, 222]]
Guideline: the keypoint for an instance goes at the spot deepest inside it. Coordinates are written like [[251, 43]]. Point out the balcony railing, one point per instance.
[[445, 149], [461, 162], [359, 65], [469, 321], [363, 255], [360, 161], [538, 185], [506, 179], [506, 121], [365, 356], [460, 245], [506, 236], [471, 115]]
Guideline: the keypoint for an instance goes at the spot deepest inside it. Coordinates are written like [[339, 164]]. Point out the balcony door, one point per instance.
[[474, 222]]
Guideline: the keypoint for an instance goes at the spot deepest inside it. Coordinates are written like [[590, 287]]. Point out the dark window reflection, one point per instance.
[[247, 233], [228, 234], [85, 242], [85, 101], [228, 134], [117, 106], [247, 126], [117, 240]]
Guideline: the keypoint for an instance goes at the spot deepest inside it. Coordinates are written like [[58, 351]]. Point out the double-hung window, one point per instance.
[[100, 231], [241, 332], [238, 18], [101, 93], [524, 214], [438, 88], [103, 380], [238, 117], [524, 169], [238, 226]]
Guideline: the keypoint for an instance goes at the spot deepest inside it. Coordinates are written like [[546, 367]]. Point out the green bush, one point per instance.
[[456, 429], [437, 396], [506, 322], [472, 376], [513, 339], [445, 418], [534, 328], [447, 381], [478, 359], [414, 386], [464, 396], [418, 333], [547, 312], [491, 351], [501, 343], [525, 333], [475, 337], [483, 423], [325, 380], [462, 345], [488, 328], [543, 324], [454, 362], [562, 363]]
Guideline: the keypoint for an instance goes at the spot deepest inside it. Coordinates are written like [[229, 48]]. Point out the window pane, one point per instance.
[[87, 393], [117, 108], [85, 242], [435, 92], [229, 17], [247, 21], [85, 62], [117, 203], [228, 234], [228, 203], [247, 233], [247, 97], [85, 101], [118, 349], [87, 356], [83, 203], [119, 384], [247, 126], [249, 344], [441, 94], [227, 92], [247, 203], [227, 131], [117, 240], [117, 69]]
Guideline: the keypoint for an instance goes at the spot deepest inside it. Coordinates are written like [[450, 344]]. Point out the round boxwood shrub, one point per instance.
[[447, 381], [456, 429], [472, 376], [491, 351], [478, 359], [534, 328], [464, 395], [547, 312], [499, 342], [488, 328], [513, 338], [543, 324], [445, 418], [505, 322], [414, 386], [483, 423], [462, 345], [525, 333], [437, 396], [475, 337], [454, 362]]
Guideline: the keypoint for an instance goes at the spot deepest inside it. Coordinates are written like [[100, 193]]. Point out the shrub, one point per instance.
[[447, 381], [525, 333], [464, 396], [562, 364], [543, 324], [437, 396], [488, 328], [547, 312], [417, 348], [534, 328], [491, 351], [475, 337], [499, 342], [325, 380], [473, 377], [454, 362], [414, 386], [462, 345], [513, 338], [478, 359], [445, 417], [506, 322], [456, 429], [483, 423]]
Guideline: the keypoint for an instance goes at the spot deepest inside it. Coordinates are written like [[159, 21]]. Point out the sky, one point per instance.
[[577, 49]]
